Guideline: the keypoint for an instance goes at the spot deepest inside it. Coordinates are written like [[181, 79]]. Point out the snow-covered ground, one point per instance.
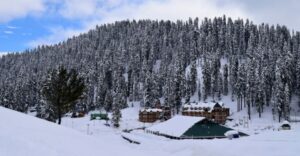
[[264, 139], [24, 135]]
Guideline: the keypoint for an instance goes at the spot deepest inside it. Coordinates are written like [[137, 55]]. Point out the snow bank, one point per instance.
[[133, 138], [24, 135], [175, 126]]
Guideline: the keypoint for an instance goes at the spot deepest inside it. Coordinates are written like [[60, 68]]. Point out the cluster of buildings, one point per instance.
[[196, 121], [213, 111], [201, 120]]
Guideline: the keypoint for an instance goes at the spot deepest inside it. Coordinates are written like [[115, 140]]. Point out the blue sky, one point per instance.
[[25, 24]]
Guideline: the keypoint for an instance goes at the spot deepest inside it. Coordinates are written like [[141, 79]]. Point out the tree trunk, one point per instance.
[[238, 105], [248, 108], [59, 120], [59, 116], [245, 101], [249, 112], [259, 111], [241, 103]]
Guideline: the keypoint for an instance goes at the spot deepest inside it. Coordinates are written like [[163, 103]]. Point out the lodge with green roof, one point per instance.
[[186, 127]]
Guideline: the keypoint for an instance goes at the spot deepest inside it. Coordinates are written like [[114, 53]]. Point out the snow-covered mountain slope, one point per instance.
[[24, 135]]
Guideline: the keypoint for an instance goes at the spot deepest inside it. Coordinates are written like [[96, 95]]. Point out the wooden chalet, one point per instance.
[[153, 114], [149, 114], [212, 111]]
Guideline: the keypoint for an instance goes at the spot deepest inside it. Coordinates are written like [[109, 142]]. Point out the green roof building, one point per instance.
[[187, 127]]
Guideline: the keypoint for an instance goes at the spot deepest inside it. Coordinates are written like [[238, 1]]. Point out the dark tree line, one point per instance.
[[257, 65]]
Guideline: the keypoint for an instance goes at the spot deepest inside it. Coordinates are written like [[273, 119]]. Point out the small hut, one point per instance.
[[285, 126]]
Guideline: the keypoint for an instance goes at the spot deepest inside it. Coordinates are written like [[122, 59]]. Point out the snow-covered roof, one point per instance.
[[175, 126], [151, 110], [231, 132], [198, 106], [285, 122]]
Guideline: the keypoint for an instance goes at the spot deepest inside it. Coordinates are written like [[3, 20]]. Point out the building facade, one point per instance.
[[150, 115], [213, 111]]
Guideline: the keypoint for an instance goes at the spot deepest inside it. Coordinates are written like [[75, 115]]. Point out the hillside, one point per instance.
[[255, 67], [24, 135]]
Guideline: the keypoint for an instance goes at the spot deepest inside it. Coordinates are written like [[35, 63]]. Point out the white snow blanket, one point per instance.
[[24, 135], [175, 126]]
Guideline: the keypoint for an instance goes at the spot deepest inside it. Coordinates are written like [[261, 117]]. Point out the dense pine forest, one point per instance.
[[146, 61]]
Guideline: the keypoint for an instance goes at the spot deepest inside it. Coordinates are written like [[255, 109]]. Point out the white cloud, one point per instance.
[[86, 9], [57, 34], [174, 10], [276, 12], [11, 9], [8, 32], [74, 9], [11, 27], [96, 12]]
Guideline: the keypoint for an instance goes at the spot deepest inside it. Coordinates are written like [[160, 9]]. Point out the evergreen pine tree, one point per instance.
[[225, 81], [61, 90]]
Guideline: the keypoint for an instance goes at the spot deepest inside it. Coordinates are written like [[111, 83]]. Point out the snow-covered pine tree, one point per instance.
[[193, 74], [148, 94], [287, 108], [177, 90], [199, 91], [116, 113], [241, 86], [259, 99], [206, 76], [233, 75], [225, 80], [298, 75], [118, 100], [215, 74], [108, 101]]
